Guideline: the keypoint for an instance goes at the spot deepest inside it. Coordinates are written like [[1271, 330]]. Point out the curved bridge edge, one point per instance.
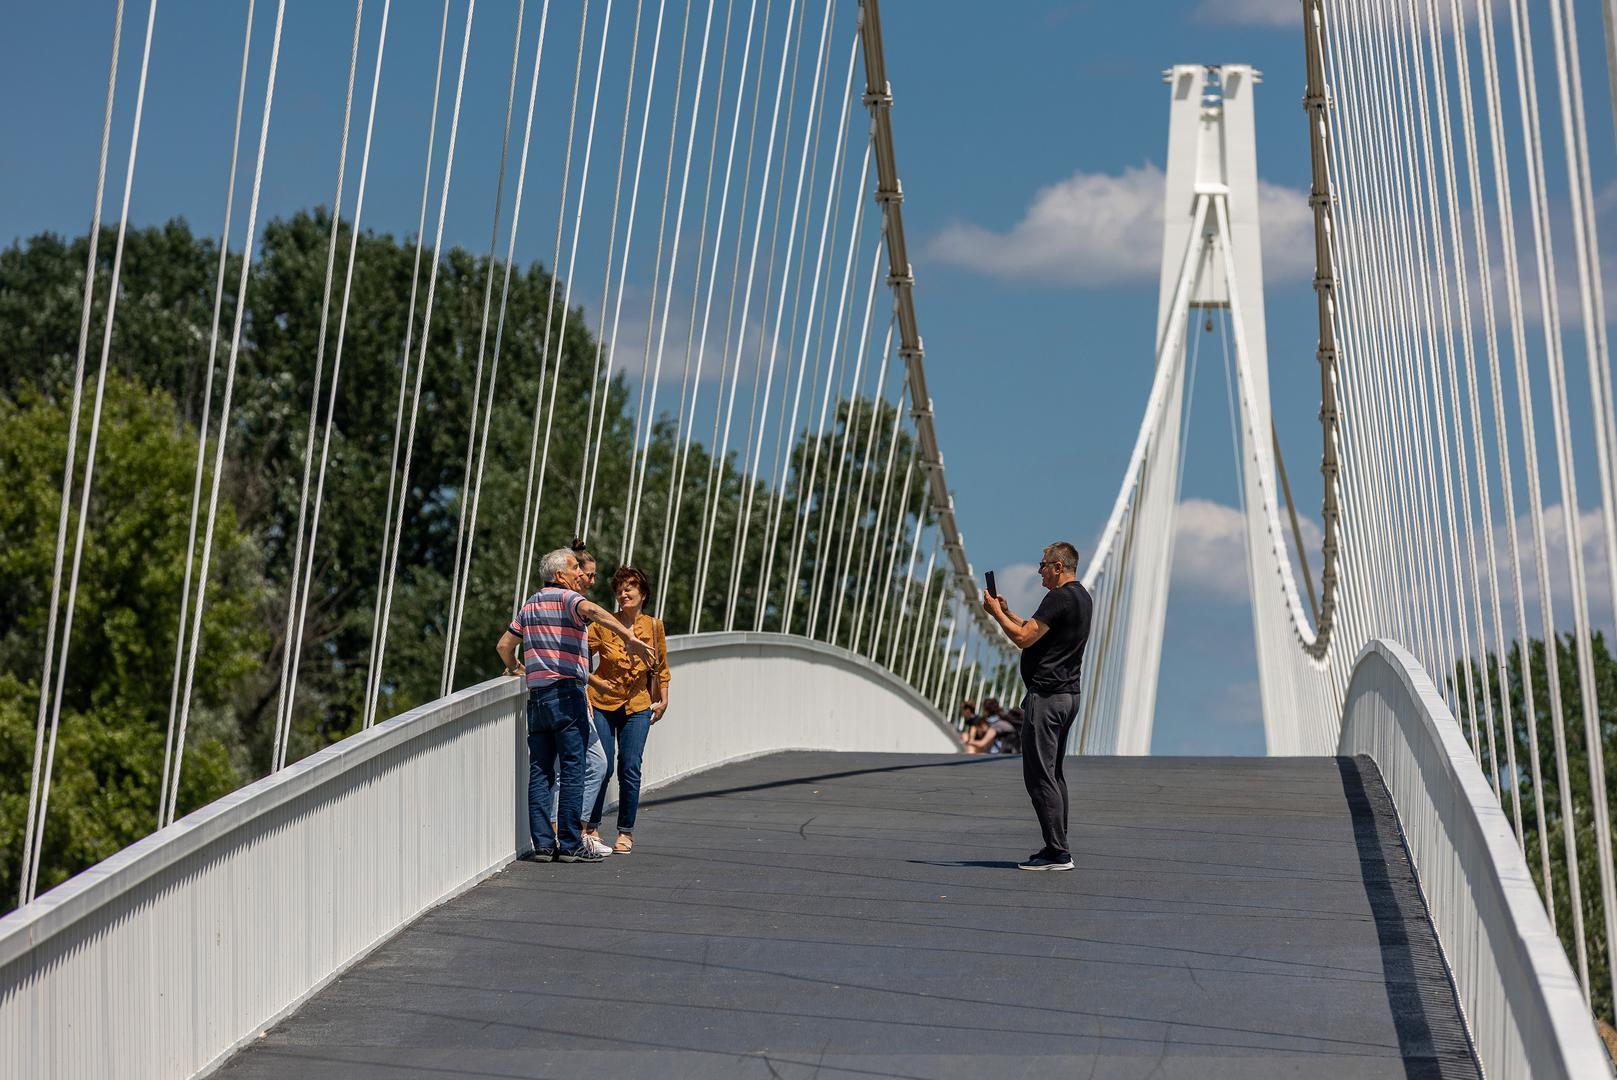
[[183, 946], [1520, 998]]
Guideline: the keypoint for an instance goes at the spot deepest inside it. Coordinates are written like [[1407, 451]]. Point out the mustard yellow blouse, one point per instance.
[[628, 680]]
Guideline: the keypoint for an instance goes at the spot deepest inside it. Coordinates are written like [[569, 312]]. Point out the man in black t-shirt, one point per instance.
[[1052, 644]]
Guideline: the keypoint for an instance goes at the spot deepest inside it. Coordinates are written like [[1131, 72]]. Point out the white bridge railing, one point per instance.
[[1521, 1001], [164, 958]]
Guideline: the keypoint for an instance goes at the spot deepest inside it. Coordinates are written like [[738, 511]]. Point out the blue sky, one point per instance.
[[1038, 345]]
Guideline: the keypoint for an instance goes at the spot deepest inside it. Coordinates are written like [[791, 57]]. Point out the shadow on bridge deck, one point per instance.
[[857, 915]]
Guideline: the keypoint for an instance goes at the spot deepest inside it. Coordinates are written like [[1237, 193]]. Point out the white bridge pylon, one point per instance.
[[1211, 259]]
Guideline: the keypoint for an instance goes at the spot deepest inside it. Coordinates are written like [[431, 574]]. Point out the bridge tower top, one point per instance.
[[1212, 150]]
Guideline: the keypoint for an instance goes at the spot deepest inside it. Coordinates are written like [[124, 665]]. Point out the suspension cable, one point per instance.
[[420, 369], [74, 410], [293, 635], [224, 413], [371, 674], [461, 564], [202, 427]]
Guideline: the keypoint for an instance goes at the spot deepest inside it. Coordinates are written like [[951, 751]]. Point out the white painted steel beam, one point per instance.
[[901, 279], [162, 959], [1522, 1003]]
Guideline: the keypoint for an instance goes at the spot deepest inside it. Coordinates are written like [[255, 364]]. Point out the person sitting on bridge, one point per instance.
[[979, 735], [555, 662], [1052, 644], [627, 696], [968, 715], [1008, 728]]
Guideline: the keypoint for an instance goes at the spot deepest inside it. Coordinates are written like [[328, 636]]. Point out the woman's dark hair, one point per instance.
[[991, 707], [630, 573], [580, 552]]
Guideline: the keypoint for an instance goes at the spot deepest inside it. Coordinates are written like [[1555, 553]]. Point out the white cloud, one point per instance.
[[1591, 542], [1105, 229], [1411, 293], [1019, 584], [1286, 13], [1287, 222], [1209, 564], [630, 355], [1209, 552]]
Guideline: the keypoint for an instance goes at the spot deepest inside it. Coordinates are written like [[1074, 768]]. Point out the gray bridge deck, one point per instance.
[[859, 915]]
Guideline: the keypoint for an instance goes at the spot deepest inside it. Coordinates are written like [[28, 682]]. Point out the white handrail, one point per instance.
[[1520, 999], [161, 960]]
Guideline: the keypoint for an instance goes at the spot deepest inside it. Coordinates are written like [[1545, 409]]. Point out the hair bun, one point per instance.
[[577, 544]]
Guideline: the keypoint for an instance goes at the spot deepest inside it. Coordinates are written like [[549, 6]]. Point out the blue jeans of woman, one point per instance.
[[623, 738], [594, 773]]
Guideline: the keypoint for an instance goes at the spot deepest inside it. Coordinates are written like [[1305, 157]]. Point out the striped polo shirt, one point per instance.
[[555, 648]]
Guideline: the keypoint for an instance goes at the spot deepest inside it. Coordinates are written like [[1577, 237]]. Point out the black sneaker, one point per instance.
[[582, 854], [1043, 860], [538, 855]]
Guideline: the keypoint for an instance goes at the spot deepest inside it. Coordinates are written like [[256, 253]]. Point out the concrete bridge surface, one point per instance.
[[860, 915]]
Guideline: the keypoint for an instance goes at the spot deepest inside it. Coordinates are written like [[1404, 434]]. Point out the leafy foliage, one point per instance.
[[119, 683], [1576, 780], [116, 696]]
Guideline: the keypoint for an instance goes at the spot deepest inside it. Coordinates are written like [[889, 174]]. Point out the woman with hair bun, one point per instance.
[[586, 564], [627, 696]]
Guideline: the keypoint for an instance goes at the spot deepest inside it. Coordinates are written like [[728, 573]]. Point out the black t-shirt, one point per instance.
[[1055, 663]]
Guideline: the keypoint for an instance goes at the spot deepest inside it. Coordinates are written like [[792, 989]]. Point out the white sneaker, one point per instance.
[[595, 844]]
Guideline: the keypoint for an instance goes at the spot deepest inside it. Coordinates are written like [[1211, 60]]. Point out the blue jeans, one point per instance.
[[595, 766], [558, 735], [623, 738]]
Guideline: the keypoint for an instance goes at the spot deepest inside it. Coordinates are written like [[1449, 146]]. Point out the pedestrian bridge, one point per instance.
[[822, 884], [1418, 882], [860, 915]]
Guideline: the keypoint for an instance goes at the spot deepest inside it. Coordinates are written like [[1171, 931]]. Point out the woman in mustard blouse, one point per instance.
[[627, 696]]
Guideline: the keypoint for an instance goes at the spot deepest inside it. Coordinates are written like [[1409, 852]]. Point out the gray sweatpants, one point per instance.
[[1046, 721]]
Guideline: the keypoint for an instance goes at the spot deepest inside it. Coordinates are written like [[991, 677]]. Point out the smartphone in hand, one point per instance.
[[989, 578]]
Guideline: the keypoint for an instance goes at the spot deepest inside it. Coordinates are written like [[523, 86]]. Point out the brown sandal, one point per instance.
[[624, 845]]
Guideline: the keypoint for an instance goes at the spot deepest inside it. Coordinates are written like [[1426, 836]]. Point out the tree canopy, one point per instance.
[[119, 684], [1576, 780]]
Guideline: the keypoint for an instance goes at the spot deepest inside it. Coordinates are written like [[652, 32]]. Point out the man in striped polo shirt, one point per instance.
[[555, 663]]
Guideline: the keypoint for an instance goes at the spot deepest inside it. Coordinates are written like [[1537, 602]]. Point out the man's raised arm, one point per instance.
[[1022, 632], [595, 613]]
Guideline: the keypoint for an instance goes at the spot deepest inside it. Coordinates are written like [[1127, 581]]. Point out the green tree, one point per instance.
[[116, 694], [122, 655], [1576, 780]]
